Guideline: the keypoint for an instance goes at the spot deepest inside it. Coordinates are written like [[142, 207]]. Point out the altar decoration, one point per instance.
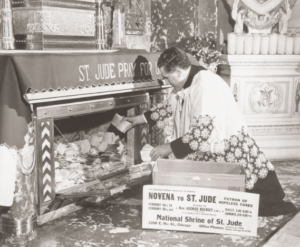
[[203, 48], [7, 41], [260, 16]]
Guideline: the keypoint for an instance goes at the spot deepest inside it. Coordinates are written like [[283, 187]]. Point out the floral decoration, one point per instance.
[[203, 48], [161, 112], [240, 148]]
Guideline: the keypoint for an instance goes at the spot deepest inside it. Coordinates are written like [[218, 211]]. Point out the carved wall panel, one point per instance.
[[296, 98], [268, 96], [135, 17]]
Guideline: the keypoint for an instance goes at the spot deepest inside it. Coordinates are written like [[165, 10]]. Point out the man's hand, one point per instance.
[[136, 120], [160, 151]]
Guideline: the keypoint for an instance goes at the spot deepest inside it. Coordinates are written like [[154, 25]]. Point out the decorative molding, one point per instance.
[[54, 3], [46, 27], [42, 23], [46, 161], [265, 97], [90, 91], [290, 129], [90, 27], [260, 60], [135, 17]]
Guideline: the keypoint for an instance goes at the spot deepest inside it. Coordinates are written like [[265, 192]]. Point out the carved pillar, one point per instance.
[[6, 26], [100, 29], [119, 38]]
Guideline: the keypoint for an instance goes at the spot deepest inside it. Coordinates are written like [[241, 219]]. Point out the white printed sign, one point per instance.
[[200, 210]]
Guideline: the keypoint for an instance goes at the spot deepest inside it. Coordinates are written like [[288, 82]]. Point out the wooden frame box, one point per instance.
[[213, 175]]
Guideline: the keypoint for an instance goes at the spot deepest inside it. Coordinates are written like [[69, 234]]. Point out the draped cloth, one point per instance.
[[208, 126]]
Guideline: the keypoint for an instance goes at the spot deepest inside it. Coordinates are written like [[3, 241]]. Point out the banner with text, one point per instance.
[[200, 210]]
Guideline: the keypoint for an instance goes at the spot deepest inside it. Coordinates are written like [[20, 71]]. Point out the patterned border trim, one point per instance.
[[274, 128], [32, 91], [46, 161], [53, 3], [260, 60], [46, 95]]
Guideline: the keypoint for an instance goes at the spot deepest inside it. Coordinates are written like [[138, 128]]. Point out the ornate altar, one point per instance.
[[266, 88], [66, 90], [75, 24]]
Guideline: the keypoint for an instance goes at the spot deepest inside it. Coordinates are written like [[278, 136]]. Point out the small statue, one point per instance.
[[238, 14], [285, 15]]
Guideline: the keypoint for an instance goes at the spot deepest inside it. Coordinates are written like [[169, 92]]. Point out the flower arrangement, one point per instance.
[[203, 48]]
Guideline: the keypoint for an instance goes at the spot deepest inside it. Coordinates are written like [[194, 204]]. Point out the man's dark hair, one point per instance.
[[173, 58]]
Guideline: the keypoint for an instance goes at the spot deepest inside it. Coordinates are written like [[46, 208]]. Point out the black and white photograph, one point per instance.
[[149, 123]]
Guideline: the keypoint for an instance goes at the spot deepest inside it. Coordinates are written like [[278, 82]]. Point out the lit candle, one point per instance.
[[240, 40], [281, 44], [231, 37], [297, 44], [256, 44], [264, 44], [273, 44], [289, 45], [248, 44]]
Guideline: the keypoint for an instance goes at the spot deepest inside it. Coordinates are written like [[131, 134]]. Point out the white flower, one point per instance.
[[219, 148], [192, 156], [186, 138], [240, 136], [160, 125], [250, 141], [194, 145], [205, 133], [234, 141], [243, 162], [230, 157], [160, 105], [262, 157], [270, 166], [204, 147], [254, 178], [206, 120], [249, 184], [254, 151], [248, 173], [263, 173], [238, 152], [155, 116], [258, 163], [245, 147], [163, 112], [197, 133], [250, 167]]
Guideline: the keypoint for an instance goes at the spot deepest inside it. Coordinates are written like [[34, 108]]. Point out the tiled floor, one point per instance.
[[118, 223]]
